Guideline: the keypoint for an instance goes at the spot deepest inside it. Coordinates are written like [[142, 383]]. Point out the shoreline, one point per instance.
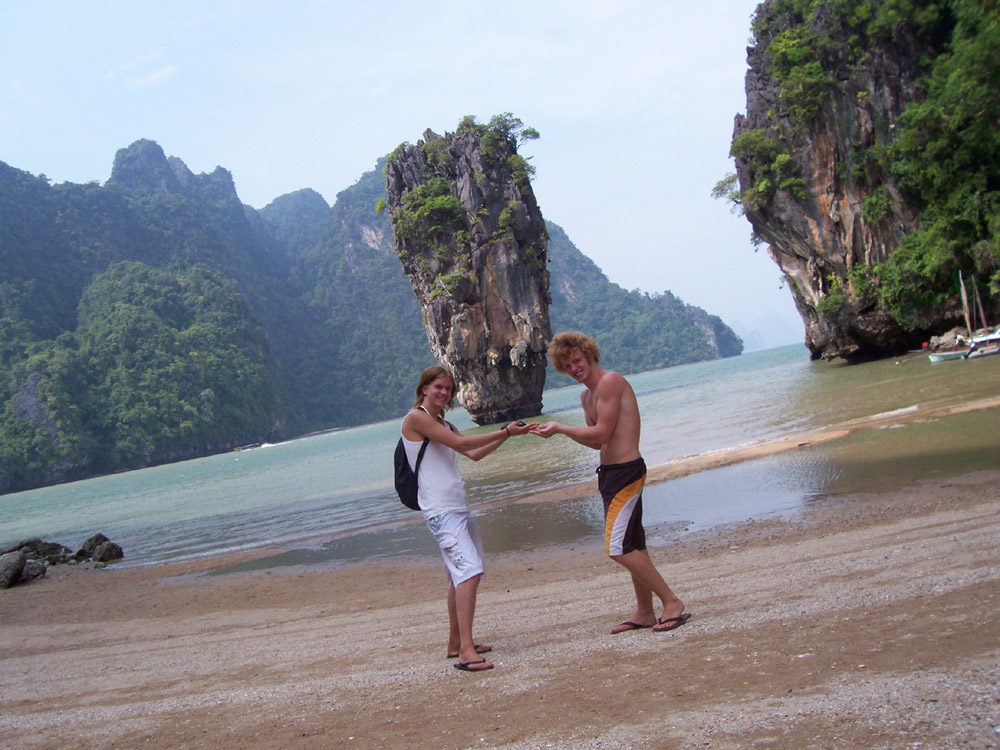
[[863, 619], [663, 471]]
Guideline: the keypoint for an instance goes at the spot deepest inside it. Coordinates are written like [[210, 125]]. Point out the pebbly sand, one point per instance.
[[865, 621]]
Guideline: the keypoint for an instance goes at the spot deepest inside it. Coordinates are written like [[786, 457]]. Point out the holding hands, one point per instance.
[[545, 430], [520, 428]]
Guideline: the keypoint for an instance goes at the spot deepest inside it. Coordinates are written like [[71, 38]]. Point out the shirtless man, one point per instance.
[[613, 424]]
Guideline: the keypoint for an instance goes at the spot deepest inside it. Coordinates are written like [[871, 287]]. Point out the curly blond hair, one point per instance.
[[563, 345]]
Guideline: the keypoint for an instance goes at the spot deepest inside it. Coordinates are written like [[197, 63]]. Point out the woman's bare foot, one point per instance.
[[481, 648], [474, 665]]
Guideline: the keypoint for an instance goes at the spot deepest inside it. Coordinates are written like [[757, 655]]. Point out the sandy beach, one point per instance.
[[863, 621]]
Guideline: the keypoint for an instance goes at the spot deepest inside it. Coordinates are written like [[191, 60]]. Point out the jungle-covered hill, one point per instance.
[[156, 318]]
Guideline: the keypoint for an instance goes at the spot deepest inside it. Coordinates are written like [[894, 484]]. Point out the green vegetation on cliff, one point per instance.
[[943, 156], [946, 160], [161, 365]]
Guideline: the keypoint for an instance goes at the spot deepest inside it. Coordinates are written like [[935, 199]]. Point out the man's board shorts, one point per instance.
[[621, 488], [462, 549]]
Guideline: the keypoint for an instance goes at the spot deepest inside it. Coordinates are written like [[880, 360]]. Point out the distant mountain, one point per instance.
[[635, 331], [157, 318], [767, 332], [293, 223], [352, 282]]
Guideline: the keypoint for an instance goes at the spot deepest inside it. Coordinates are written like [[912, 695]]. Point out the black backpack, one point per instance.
[[406, 478]]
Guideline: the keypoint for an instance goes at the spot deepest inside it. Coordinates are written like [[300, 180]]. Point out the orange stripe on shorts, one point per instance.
[[612, 528]]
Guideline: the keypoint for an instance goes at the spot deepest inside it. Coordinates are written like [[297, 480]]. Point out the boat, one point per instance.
[[984, 346], [988, 340], [979, 346], [949, 354], [968, 348], [983, 351]]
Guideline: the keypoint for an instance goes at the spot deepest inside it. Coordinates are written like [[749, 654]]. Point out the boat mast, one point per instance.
[[979, 303], [965, 303]]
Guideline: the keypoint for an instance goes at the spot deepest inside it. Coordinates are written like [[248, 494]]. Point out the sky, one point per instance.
[[634, 102]]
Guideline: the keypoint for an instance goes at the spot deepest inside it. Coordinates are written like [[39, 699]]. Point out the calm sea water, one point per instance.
[[328, 498]]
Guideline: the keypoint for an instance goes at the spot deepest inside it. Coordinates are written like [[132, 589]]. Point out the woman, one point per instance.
[[442, 500]]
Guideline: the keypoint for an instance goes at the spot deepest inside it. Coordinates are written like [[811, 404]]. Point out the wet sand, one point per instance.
[[867, 621]]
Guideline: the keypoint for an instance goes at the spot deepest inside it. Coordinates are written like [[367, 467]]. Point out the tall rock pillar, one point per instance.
[[472, 240]]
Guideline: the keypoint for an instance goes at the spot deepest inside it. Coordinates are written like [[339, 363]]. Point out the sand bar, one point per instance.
[[688, 465]]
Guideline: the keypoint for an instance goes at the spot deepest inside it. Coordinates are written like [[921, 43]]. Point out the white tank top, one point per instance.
[[440, 488]]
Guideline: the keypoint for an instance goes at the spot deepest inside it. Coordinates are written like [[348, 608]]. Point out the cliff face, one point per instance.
[[472, 240], [809, 184]]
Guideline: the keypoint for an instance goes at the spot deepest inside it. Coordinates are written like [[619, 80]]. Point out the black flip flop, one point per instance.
[[465, 666], [678, 621]]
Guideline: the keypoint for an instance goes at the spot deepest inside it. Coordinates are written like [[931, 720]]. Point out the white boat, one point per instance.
[[984, 351], [980, 346], [988, 340], [949, 354]]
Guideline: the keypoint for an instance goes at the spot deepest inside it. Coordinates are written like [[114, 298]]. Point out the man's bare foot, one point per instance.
[[673, 617], [481, 648]]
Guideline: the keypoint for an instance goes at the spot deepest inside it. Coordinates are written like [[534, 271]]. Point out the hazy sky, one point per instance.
[[634, 101]]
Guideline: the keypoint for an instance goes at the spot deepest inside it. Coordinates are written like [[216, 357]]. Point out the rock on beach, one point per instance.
[[29, 559]]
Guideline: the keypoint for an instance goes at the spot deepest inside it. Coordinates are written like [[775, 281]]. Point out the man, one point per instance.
[[613, 425]]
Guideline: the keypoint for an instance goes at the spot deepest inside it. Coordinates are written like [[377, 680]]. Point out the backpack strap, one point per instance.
[[423, 446], [420, 456], [443, 420]]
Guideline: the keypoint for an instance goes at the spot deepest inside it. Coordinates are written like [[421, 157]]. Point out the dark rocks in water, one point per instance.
[[99, 549], [30, 558], [473, 243]]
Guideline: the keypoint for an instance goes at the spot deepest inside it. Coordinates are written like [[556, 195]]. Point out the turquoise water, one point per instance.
[[329, 498]]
